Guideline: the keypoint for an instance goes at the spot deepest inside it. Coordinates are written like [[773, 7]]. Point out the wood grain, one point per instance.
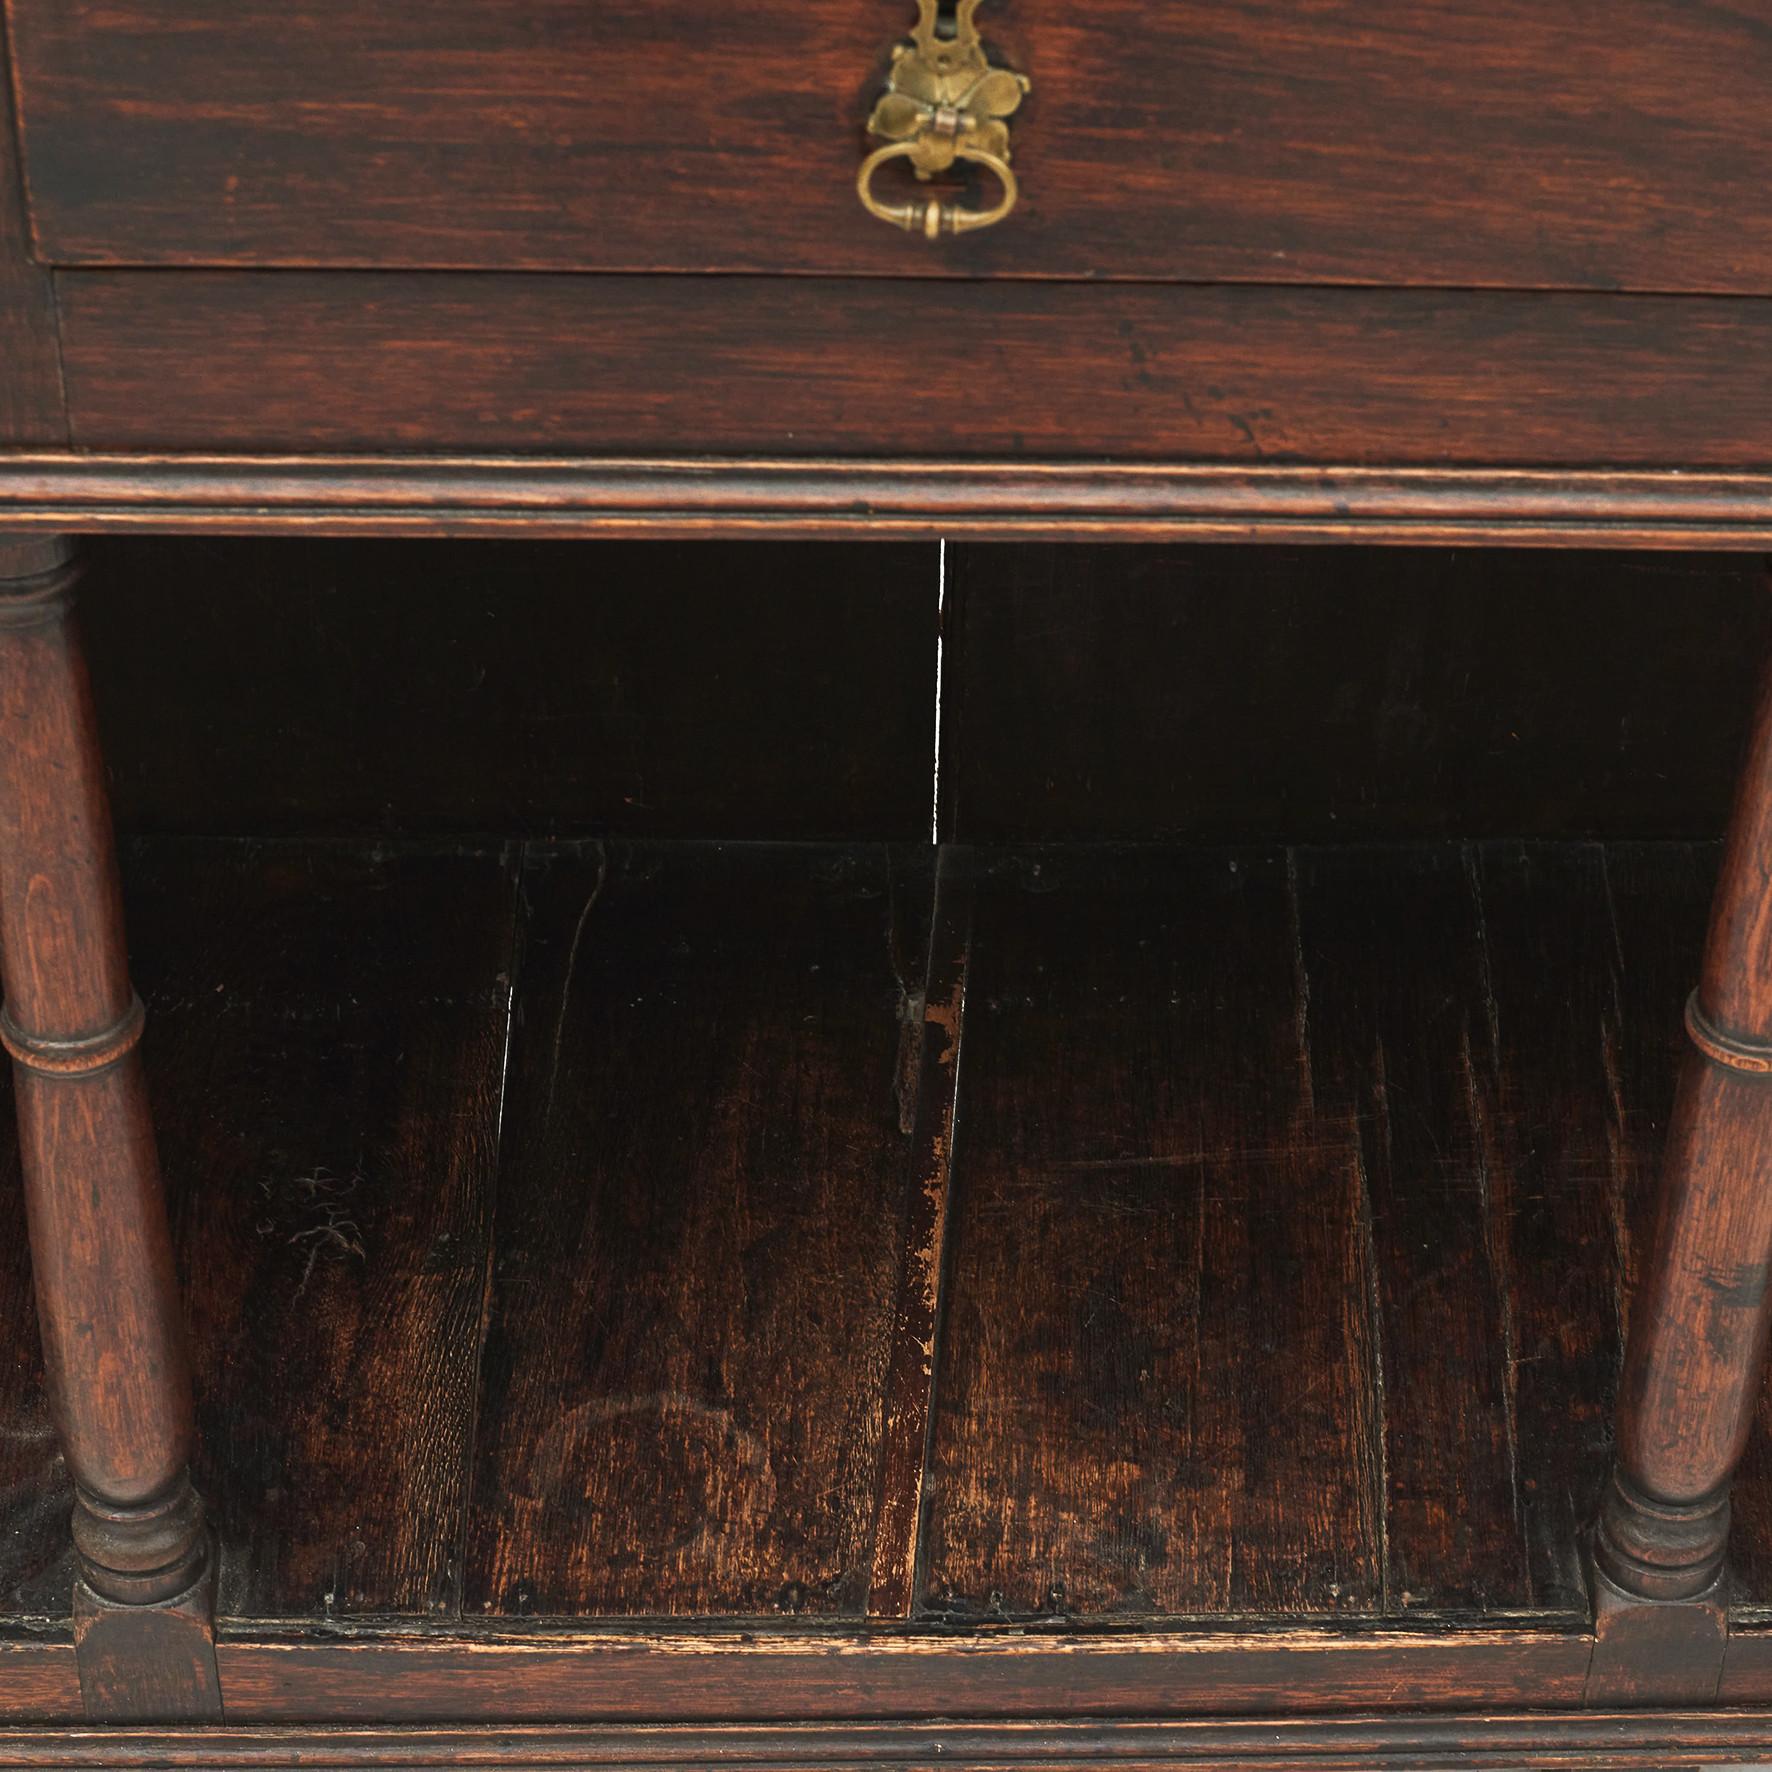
[[1390, 949], [1145, 1205], [705, 1161], [31, 405], [325, 1058], [1455, 142], [921, 499], [1555, 1167], [217, 361], [115, 1360], [838, 1674], [932, 1109], [39, 1678], [324, 1054], [332, 1031], [1695, 1356], [1501, 1739]]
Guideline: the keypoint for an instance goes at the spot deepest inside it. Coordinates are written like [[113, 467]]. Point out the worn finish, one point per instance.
[[1393, 960], [1447, 141], [930, 1104], [39, 1677], [1539, 1155], [113, 1336], [331, 1209], [335, 1227], [1697, 1349], [704, 1168], [806, 366], [1505, 1740], [1142, 1207], [837, 1674]]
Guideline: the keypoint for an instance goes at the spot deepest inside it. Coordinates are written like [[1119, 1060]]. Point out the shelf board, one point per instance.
[[549, 1214]]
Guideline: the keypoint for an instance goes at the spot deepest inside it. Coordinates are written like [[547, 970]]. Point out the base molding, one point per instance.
[[1520, 1740]]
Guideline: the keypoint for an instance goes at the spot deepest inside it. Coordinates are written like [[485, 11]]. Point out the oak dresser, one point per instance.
[[1481, 271]]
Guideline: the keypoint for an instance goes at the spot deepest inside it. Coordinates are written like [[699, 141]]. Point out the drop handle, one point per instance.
[[944, 105]]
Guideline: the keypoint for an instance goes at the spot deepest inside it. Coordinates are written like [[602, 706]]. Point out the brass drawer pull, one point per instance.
[[944, 103]]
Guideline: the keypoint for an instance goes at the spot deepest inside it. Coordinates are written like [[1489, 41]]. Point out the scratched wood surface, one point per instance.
[[1157, 1387], [1291, 1213], [709, 1126], [327, 1029], [1362, 1146]]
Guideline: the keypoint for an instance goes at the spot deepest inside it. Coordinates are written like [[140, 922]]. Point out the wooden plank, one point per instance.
[[698, 1676], [1747, 1665], [1562, 1147], [1497, 1741], [768, 691], [1390, 946], [704, 1175], [327, 1034], [1459, 142], [39, 1676], [901, 1496], [219, 361], [1088, 688], [31, 406], [1156, 1388]]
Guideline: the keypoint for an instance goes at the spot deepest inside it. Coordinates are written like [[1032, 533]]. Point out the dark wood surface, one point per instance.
[[1693, 1374], [1157, 1391], [220, 361], [31, 387], [116, 1366], [1506, 1741], [703, 1179], [333, 1223], [930, 1111], [786, 692], [1213, 694], [1190, 1098], [1447, 141], [760, 691]]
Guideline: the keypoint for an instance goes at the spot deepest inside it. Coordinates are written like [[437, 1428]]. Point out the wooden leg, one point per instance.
[[113, 1338], [1698, 1335]]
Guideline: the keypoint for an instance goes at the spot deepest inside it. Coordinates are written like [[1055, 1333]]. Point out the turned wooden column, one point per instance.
[[1697, 1347], [113, 1335]]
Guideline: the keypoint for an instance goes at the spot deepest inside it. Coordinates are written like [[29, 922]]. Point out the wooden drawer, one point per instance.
[[1503, 143]]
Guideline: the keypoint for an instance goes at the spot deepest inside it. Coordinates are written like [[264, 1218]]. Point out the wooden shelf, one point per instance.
[[550, 1217]]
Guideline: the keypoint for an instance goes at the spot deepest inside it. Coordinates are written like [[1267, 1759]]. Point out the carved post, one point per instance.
[[113, 1336], [1699, 1325]]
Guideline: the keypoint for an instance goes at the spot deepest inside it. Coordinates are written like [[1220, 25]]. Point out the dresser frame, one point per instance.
[[1657, 1678]]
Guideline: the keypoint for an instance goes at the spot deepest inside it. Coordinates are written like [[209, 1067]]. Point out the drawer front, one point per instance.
[[1583, 144]]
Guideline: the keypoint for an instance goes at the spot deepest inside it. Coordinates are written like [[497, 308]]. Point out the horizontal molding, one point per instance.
[[1519, 1740], [417, 496]]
